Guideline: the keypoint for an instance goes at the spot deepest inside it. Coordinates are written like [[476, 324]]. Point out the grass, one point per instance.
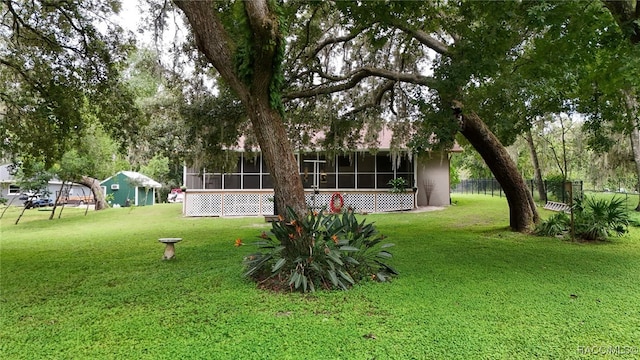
[[95, 287]]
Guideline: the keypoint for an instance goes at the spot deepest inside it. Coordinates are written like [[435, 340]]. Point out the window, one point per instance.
[[346, 163], [213, 181], [404, 165], [232, 181], [366, 181], [355, 171], [346, 181], [194, 181], [251, 163], [251, 182], [366, 163], [383, 162], [383, 180], [328, 180], [14, 190], [267, 182]]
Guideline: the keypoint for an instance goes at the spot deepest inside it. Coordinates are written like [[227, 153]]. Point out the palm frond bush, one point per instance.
[[555, 225], [597, 219], [594, 219]]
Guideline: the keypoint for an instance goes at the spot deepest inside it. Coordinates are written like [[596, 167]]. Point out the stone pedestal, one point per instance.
[[169, 250]]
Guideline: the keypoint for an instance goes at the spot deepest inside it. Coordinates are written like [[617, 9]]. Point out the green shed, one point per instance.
[[137, 188]]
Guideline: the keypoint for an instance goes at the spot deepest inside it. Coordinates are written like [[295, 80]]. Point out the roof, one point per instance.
[[141, 179], [7, 178]]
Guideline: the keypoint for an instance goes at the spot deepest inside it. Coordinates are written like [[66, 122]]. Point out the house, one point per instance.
[[55, 189], [130, 188], [361, 178]]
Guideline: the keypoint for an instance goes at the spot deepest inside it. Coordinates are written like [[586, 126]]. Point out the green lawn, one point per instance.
[[95, 287]]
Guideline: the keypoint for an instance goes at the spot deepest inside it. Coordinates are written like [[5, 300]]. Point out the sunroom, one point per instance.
[[360, 181]]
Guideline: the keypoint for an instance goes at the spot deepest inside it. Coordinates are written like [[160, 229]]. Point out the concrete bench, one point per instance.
[[169, 250], [557, 206]]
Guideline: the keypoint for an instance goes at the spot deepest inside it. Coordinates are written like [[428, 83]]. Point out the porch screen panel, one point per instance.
[[346, 181], [213, 181], [383, 180], [405, 165], [328, 181], [407, 176], [267, 181], [194, 181], [366, 163], [251, 164], [366, 181], [383, 163], [251, 181], [346, 163], [231, 181], [306, 170]]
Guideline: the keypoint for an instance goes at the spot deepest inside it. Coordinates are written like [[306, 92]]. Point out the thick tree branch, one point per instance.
[[34, 83], [264, 24], [211, 38], [626, 13], [258, 14], [375, 100], [19, 22], [354, 78], [425, 39], [333, 40]]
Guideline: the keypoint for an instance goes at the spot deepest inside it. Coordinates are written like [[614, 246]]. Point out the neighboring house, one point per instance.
[[130, 188], [8, 187], [70, 193], [361, 178]]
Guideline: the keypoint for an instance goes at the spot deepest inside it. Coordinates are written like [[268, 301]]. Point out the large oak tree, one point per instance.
[[426, 54], [57, 70]]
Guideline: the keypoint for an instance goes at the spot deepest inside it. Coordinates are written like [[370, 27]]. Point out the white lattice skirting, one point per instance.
[[259, 203]]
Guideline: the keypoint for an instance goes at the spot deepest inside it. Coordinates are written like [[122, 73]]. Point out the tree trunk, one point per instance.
[[635, 147], [219, 48], [96, 190], [278, 154], [56, 201], [522, 209], [631, 103], [536, 167]]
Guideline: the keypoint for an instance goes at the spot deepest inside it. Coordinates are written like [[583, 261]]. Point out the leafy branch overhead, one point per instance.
[[57, 68]]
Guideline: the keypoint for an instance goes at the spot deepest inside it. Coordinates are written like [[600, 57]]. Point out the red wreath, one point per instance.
[[335, 208]]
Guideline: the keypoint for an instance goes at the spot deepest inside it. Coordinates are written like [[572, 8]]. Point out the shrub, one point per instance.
[[398, 185], [555, 225], [597, 219], [594, 219], [329, 251]]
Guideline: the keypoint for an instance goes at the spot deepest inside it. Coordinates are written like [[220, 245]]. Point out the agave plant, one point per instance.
[[332, 251]]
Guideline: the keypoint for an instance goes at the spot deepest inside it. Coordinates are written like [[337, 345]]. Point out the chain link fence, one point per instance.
[[555, 190]]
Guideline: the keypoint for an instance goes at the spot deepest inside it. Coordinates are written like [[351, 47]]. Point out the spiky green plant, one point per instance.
[[555, 225], [330, 251], [597, 219], [594, 219]]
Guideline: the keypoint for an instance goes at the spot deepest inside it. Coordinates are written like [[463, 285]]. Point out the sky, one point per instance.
[[131, 17]]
